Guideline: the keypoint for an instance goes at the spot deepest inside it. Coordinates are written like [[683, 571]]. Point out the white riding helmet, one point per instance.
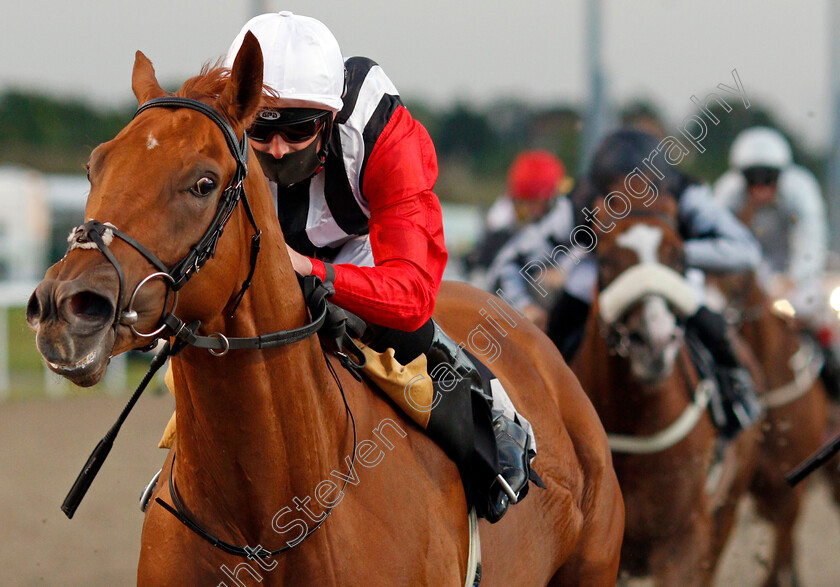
[[760, 146], [302, 60]]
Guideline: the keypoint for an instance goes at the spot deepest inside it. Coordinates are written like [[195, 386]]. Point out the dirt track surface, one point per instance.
[[45, 443]]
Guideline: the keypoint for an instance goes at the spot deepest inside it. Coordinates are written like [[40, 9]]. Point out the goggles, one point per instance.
[[761, 175], [295, 125]]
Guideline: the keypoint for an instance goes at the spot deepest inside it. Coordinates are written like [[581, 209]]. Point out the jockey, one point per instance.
[[535, 179], [352, 175], [714, 240], [781, 203]]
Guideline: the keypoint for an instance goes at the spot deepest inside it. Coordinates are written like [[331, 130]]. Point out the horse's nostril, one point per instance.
[[91, 306], [33, 310]]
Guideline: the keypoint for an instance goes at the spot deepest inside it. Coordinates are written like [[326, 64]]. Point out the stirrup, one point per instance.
[[513, 448], [512, 495], [146, 496]]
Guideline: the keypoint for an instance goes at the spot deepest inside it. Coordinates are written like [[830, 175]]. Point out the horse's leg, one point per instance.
[[792, 433], [781, 510], [831, 473], [595, 560], [685, 559], [725, 506], [831, 470]]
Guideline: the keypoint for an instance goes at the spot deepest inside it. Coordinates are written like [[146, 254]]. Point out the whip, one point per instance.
[[100, 453]]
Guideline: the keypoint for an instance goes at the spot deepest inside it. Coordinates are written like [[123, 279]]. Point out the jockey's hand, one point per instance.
[[782, 286], [301, 264], [537, 315]]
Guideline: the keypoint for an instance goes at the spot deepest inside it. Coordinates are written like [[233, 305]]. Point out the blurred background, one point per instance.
[[487, 79]]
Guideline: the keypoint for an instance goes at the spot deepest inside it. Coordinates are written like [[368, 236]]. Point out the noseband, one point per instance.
[[631, 286]]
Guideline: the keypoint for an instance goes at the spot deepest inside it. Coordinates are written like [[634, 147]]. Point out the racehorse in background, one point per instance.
[[635, 365], [267, 452], [797, 407]]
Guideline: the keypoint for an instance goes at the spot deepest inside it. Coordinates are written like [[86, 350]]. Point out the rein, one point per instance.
[[178, 510], [316, 293]]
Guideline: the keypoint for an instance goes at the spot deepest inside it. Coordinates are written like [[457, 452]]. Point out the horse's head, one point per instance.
[[643, 291], [160, 194]]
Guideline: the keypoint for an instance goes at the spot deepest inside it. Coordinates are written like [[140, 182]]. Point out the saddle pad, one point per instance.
[[169, 432], [409, 386]]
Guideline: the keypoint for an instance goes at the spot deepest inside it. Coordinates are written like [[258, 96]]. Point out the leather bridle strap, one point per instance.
[[317, 303], [239, 149], [234, 192], [178, 275]]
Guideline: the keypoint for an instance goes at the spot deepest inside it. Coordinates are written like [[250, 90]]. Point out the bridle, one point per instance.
[[175, 277], [315, 293]]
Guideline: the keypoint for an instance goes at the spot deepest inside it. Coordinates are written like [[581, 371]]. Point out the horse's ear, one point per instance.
[[241, 96], [143, 80]]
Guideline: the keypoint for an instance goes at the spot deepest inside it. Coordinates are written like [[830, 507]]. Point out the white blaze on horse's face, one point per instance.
[[642, 239], [151, 142], [654, 340], [653, 333]]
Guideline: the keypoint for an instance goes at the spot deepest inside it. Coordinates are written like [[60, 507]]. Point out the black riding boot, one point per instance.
[[512, 442], [567, 324], [741, 406], [490, 449]]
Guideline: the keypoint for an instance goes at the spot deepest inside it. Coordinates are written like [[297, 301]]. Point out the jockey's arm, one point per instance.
[[715, 240], [809, 230], [519, 265], [406, 232], [729, 191]]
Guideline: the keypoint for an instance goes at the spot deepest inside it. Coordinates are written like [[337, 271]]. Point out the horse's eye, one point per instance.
[[203, 187]]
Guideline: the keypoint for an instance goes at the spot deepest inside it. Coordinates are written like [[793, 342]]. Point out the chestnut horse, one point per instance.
[[266, 452], [796, 421], [636, 368]]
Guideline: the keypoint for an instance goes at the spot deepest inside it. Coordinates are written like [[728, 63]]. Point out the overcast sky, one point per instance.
[[534, 50]]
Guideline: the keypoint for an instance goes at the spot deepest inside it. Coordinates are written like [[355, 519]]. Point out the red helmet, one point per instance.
[[535, 175]]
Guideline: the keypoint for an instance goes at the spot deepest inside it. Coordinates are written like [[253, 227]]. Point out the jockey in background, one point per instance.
[[535, 180], [715, 241], [782, 205], [352, 175]]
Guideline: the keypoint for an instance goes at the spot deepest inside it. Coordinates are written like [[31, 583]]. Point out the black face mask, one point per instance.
[[293, 167]]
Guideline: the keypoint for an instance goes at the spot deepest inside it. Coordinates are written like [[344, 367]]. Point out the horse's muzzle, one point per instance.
[[73, 324]]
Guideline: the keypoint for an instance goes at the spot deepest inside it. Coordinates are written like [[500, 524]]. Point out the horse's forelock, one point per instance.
[[207, 85]]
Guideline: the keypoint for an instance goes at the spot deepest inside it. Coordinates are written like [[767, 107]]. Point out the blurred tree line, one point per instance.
[[475, 145], [51, 134]]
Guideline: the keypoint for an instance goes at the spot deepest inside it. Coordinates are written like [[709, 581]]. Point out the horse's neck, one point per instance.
[[773, 342], [258, 427], [768, 336]]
